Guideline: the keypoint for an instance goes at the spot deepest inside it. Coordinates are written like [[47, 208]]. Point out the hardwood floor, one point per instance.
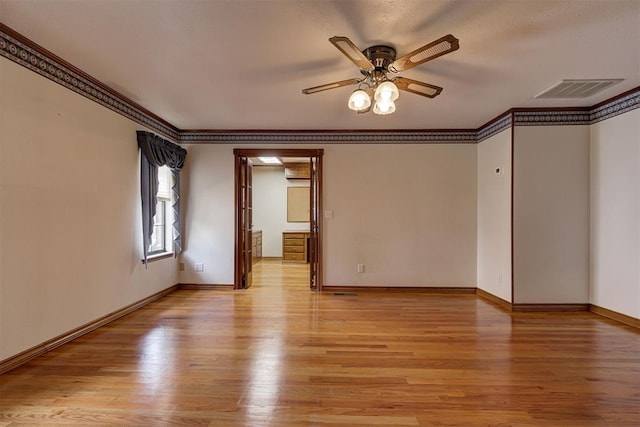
[[280, 355]]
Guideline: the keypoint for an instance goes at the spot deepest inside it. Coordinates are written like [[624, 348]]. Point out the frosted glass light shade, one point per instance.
[[386, 92], [359, 100], [384, 107]]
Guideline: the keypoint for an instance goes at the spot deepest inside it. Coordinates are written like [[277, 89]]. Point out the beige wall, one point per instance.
[[494, 215], [69, 212], [408, 212], [207, 210], [551, 214], [615, 213]]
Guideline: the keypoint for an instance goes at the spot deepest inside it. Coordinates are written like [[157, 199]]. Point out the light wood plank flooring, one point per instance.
[[280, 355]]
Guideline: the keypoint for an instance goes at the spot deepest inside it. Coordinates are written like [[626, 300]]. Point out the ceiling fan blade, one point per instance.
[[419, 88], [440, 47], [328, 86], [352, 52]]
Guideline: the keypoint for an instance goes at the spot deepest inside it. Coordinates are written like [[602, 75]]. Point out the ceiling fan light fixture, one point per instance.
[[375, 63], [384, 107], [386, 92], [359, 100]]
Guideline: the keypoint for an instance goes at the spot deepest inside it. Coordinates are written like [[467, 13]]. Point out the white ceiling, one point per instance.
[[241, 64]]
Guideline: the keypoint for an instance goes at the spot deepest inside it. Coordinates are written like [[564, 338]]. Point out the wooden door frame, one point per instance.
[[239, 153]]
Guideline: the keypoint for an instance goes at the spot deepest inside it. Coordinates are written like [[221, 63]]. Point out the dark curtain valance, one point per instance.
[[161, 152], [157, 152]]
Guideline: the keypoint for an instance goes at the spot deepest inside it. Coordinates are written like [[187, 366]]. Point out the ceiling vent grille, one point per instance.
[[577, 88]]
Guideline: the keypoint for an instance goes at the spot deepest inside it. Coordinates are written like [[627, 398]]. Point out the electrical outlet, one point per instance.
[[181, 266], [360, 268], [199, 266]]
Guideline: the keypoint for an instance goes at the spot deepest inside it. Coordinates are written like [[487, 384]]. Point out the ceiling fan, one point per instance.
[[375, 63]]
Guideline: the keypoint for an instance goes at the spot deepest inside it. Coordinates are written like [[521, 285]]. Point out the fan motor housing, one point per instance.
[[380, 56]]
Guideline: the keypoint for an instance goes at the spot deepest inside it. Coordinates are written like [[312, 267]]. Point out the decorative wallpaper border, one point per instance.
[[545, 118], [579, 116], [493, 128], [329, 137], [23, 51], [625, 103]]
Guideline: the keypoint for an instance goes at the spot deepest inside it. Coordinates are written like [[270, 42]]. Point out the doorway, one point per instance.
[[243, 190]]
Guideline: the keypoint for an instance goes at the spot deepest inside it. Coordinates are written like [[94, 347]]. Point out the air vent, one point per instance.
[[577, 88]]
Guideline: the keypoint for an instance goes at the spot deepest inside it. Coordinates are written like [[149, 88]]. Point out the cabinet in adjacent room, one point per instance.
[[297, 171], [295, 246], [257, 245]]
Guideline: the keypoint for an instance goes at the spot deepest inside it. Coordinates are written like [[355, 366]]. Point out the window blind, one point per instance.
[[164, 183]]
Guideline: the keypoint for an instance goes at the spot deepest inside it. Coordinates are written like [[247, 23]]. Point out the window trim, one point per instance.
[[157, 257]]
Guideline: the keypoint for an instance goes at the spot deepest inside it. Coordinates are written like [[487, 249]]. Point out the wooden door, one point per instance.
[[315, 217], [244, 212], [244, 222]]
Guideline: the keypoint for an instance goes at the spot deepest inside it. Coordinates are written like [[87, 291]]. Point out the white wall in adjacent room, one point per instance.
[[270, 207]]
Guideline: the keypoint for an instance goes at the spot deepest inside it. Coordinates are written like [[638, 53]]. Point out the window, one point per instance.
[[161, 238], [161, 183]]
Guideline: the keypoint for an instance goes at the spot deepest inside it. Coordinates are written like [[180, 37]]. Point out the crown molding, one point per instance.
[[21, 50]]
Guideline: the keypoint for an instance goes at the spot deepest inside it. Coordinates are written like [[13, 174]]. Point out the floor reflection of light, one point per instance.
[[265, 377], [156, 359]]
